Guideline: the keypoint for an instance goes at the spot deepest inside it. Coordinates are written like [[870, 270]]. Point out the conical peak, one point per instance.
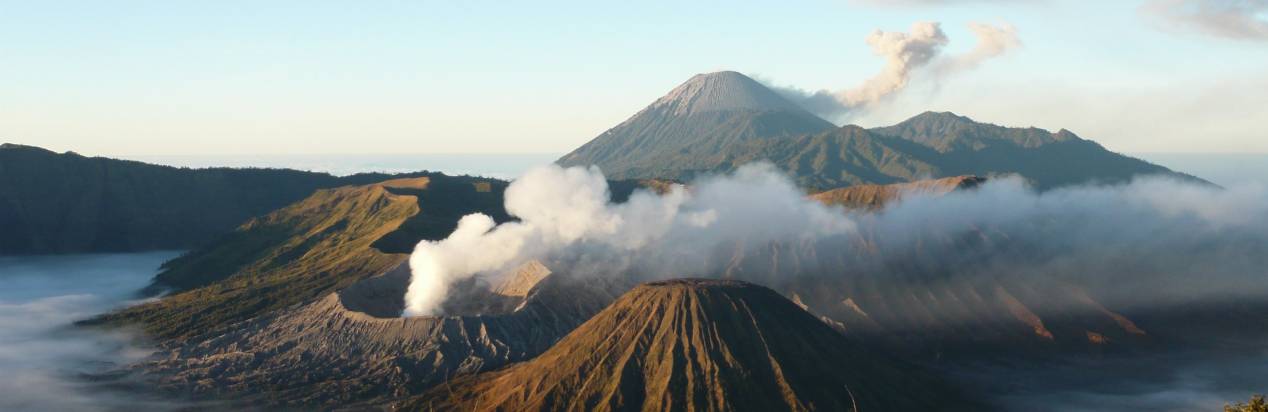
[[723, 91]]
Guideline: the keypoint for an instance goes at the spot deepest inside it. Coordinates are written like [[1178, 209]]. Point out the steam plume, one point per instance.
[[1187, 243], [564, 210]]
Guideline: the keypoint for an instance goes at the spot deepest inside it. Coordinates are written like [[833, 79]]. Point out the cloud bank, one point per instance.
[[1234, 19], [49, 365], [918, 52]]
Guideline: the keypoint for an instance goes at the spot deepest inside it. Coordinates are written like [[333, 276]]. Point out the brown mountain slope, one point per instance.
[[873, 197], [698, 345], [299, 253]]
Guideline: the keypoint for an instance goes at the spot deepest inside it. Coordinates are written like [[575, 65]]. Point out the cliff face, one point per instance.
[[67, 203]]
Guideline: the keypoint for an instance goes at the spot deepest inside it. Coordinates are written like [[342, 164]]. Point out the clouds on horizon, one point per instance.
[[1233, 19]]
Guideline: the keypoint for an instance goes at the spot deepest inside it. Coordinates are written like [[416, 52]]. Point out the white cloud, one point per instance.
[[1234, 19]]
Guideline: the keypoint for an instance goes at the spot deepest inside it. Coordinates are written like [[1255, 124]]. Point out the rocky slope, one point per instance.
[[717, 122], [709, 345], [350, 348], [67, 203]]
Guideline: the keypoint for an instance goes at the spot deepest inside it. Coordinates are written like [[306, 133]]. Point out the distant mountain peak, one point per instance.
[[932, 116], [15, 146], [687, 128], [946, 131], [723, 91]]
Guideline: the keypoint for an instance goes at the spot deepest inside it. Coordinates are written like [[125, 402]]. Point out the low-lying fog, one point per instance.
[[1187, 381], [46, 364]]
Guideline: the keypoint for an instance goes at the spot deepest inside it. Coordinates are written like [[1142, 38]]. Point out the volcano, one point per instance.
[[693, 344], [686, 129]]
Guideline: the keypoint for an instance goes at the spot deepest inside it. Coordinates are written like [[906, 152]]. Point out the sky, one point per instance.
[[326, 77]]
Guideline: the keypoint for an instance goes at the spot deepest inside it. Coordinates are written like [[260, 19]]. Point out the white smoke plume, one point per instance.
[[907, 56], [561, 208], [1186, 241], [1234, 19]]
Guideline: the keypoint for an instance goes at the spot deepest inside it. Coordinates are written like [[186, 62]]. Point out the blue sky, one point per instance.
[[170, 77]]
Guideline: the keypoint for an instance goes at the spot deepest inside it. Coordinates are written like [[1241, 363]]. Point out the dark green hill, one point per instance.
[[67, 203], [851, 155], [957, 145]]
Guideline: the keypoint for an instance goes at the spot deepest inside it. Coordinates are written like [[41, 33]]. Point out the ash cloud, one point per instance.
[[1233, 19], [909, 56]]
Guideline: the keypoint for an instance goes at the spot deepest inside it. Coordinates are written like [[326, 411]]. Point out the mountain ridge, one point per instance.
[[67, 203], [665, 141]]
